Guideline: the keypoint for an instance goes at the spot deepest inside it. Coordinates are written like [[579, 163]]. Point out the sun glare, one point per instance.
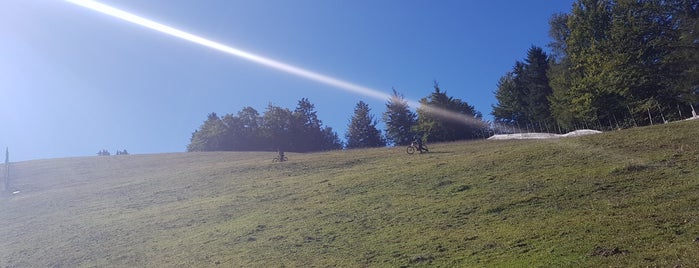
[[284, 67]]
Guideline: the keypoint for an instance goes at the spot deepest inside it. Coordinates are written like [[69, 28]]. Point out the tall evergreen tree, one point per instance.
[[306, 128], [399, 120], [443, 118], [523, 94], [560, 72], [362, 131], [536, 85], [509, 110], [307, 132], [684, 57]]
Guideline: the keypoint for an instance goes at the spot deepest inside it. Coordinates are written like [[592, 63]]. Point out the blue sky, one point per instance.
[[73, 81]]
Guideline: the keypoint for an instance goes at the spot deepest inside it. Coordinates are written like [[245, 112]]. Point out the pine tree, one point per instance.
[[362, 131], [399, 120]]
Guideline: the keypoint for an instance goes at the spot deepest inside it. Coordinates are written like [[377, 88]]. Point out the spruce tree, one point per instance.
[[306, 131], [362, 131], [399, 120], [523, 93]]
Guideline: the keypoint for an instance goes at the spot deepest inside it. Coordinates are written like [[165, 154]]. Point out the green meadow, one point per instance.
[[626, 198]]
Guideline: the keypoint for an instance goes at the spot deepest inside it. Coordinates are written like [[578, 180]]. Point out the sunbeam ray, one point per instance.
[[274, 64]]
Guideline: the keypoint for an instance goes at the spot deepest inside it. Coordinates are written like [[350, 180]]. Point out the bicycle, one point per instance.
[[280, 159], [413, 147]]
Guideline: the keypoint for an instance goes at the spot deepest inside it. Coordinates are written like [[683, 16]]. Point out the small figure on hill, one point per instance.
[[280, 156], [418, 139]]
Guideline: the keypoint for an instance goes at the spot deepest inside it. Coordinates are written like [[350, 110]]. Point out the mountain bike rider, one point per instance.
[[280, 155], [418, 139]]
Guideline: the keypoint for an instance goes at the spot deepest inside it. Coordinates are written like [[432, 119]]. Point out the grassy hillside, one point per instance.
[[626, 198]]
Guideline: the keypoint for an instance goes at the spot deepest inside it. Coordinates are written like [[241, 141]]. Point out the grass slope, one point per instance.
[[626, 198]]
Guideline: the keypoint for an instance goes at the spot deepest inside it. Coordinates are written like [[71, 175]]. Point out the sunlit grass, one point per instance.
[[625, 198]]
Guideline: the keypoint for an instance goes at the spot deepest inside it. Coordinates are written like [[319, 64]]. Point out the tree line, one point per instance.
[[300, 130], [613, 64], [278, 128]]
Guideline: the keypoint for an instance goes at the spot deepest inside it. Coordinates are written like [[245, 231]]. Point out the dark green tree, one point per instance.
[[523, 94], [509, 110], [277, 125], [625, 59], [399, 120], [306, 131], [244, 130], [362, 131], [560, 72], [209, 136], [683, 60], [330, 140], [444, 118]]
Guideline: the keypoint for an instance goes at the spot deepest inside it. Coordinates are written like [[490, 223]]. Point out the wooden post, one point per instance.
[[6, 176]]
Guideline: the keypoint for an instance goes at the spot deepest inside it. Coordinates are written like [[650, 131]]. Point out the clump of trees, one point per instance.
[[443, 118], [278, 128], [105, 152], [439, 118], [614, 64]]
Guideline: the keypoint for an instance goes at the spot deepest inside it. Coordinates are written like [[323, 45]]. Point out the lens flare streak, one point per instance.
[[123, 15], [281, 66]]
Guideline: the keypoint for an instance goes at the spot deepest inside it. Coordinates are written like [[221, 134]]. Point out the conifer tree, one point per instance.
[[523, 94], [399, 120], [362, 131], [306, 129]]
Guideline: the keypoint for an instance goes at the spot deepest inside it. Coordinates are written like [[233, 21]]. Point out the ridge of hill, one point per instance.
[[624, 198]]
